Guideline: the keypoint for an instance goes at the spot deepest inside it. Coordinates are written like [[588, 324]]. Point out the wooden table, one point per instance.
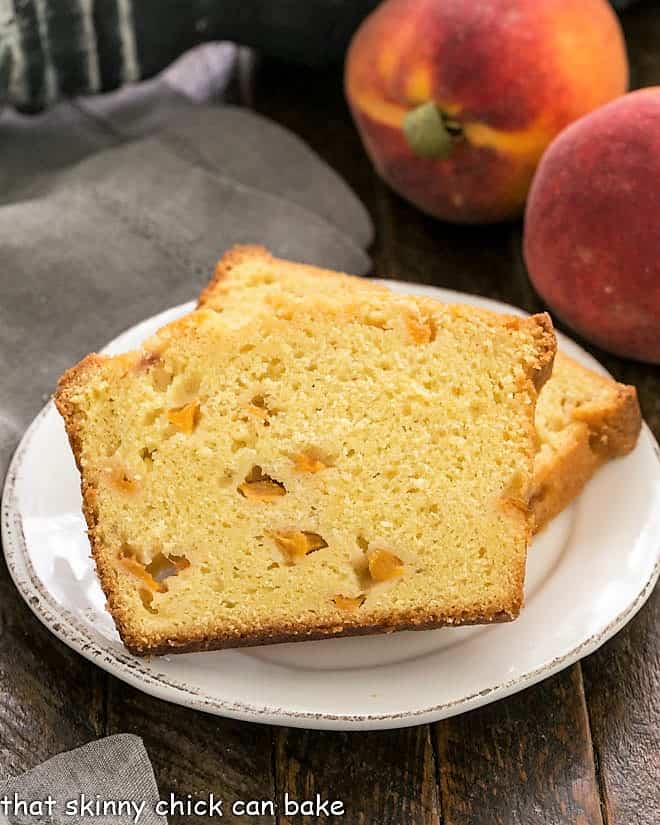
[[582, 747]]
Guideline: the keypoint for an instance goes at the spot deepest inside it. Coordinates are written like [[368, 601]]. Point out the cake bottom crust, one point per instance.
[[290, 633]]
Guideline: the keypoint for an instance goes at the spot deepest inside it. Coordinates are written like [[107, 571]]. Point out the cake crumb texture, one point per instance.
[[583, 419], [323, 465]]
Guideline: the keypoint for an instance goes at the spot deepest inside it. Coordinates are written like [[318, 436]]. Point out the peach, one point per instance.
[[456, 101], [592, 228]]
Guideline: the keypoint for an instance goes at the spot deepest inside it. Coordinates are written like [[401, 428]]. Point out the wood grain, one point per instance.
[[51, 699], [622, 682], [523, 760], [195, 753], [383, 778]]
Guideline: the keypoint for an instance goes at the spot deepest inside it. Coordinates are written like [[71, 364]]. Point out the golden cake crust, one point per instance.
[[241, 254], [283, 633], [67, 384], [598, 431]]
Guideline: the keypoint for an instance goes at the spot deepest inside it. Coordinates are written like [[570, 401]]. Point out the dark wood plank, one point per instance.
[[195, 753], [383, 778], [522, 760], [622, 683], [51, 699]]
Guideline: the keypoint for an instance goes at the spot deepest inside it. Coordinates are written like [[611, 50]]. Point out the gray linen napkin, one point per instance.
[[116, 769], [114, 208]]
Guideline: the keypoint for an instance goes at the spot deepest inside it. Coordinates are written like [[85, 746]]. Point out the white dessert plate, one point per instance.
[[588, 574]]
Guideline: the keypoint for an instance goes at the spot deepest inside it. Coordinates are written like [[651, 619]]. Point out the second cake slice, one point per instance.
[[330, 466], [582, 419]]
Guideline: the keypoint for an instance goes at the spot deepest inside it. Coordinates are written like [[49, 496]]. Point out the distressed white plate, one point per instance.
[[587, 575]]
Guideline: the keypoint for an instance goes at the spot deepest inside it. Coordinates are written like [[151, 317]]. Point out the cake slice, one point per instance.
[[583, 419], [328, 465], [247, 277]]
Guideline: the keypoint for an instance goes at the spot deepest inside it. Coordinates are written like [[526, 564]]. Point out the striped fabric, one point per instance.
[[51, 49]]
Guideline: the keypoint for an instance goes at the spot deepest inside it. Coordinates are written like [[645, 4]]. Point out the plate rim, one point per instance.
[[130, 669]]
